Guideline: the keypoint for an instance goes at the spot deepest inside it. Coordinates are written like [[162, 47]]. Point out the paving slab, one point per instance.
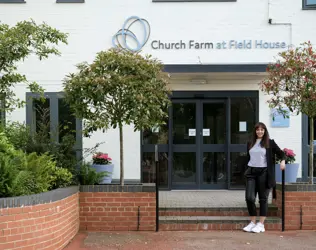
[[224, 240], [199, 198]]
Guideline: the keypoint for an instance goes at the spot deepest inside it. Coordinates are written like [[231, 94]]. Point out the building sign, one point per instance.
[[279, 120], [232, 44], [135, 34], [126, 35]]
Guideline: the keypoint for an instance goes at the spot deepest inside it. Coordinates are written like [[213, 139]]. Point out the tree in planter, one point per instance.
[[119, 87], [16, 44], [291, 82]]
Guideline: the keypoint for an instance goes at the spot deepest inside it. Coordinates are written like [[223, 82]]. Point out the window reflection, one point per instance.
[[184, 119], [314, 164], [156, 135], [149, 168], [243, 119], [238, 162], [184, 168], [214, 168]]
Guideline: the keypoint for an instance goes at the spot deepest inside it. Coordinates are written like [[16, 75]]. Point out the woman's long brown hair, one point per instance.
[[265, 139]]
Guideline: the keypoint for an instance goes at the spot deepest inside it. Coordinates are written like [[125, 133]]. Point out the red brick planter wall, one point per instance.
[[115, 208], [50, 223], [297, 197]]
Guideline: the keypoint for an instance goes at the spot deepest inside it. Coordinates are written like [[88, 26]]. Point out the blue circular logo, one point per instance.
[[125, 34]]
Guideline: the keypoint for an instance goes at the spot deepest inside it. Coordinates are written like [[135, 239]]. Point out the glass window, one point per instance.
[[52, 119], [314, 164], [2, 112], [309, 130], [309, 4], [41, 116], [66, 119], [194, 0], [184, 168], [238, 161], [12, 1], [157, 135], [184, 119], [214, 168], [149, 168], [243, 118], [70, 1]]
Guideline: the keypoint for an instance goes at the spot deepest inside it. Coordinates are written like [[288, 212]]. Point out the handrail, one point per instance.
[[283, 200], [157, 187]]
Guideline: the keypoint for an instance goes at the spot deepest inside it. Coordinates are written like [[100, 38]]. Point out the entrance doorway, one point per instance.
[[203, 144], [199, 136]]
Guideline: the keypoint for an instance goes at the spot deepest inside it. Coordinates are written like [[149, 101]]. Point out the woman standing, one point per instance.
[[260, 174]]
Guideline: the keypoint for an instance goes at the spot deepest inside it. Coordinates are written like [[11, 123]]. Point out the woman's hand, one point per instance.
[[282, 165]]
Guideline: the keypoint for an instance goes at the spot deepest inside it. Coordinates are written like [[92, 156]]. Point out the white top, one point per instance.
[[257, 156]]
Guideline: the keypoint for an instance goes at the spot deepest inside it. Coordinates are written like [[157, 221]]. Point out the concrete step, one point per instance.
[[205, 223], [212, 211]]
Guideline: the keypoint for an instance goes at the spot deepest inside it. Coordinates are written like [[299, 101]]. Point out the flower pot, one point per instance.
[[101, 168], [291, 171]]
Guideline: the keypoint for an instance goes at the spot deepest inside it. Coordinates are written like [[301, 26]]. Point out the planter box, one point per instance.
[[104, 168], [300, 205], [291, 172]]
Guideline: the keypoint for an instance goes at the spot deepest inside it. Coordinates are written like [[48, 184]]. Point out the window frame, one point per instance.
[[2, 111], [196, 1], [307, 6], [70, 1], [12, 1], [53, 100]]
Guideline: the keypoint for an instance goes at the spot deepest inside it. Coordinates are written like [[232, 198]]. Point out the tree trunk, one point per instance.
[[311, 150], [121, 156]]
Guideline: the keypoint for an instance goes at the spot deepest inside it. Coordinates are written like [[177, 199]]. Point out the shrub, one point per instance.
[[63, 153], [88, 176], [25, 174]]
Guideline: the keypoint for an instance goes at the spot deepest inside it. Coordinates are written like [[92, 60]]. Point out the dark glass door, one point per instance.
[[213, 144], [243, 116], [199, 136], [185, 144]]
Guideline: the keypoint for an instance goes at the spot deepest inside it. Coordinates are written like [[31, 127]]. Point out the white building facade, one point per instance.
[[216, 52]]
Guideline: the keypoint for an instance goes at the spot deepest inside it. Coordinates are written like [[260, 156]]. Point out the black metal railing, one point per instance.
[[157, 188], [283, 200]]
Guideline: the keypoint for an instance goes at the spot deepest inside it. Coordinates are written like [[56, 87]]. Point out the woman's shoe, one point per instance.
[[249, 227], [259, 228]]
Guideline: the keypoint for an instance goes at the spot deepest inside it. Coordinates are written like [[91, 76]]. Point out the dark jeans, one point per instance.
[[257, 183]]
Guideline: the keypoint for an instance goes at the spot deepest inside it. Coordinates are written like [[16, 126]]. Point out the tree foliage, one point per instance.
[[119, 87], [291, 82], [16, 44]]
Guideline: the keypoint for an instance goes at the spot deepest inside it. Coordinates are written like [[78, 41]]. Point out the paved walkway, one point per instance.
[[193, 240], [214, 198]]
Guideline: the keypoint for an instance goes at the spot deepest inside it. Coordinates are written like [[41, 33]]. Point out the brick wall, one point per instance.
[[115, 208], [50, 223], [298, 197]]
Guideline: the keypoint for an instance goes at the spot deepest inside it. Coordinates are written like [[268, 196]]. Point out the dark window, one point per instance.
[[243, 118], [12, 1], [2, 111], [194, 0], [309, 131], [70, 1], [309, 4], [149, 168], [314, 164], [53, 117]]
